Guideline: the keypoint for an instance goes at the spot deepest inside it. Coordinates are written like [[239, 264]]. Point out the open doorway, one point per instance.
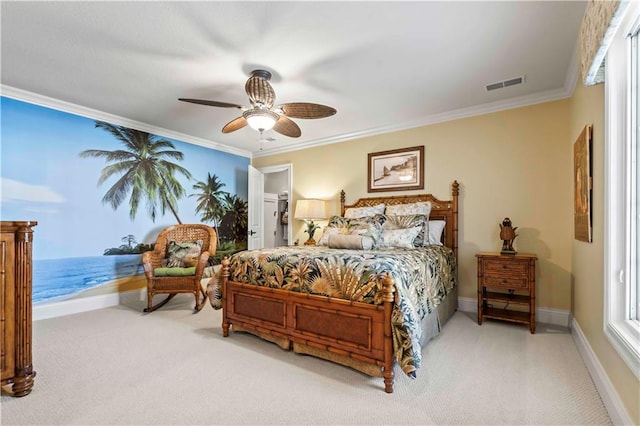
[[278, 180]]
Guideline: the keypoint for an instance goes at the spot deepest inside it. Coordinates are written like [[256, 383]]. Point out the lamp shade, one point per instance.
[[310, 209]]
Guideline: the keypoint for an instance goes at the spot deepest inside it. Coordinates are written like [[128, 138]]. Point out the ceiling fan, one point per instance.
[[262, 115]]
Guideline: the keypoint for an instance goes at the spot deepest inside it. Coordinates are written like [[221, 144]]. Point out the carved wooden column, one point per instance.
[[22, 376]]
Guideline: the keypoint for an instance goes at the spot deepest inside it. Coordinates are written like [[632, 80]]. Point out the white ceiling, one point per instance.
[[384, 66]]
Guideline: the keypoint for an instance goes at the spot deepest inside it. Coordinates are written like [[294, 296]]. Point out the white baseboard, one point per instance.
[[610, 398], [467, 304], [83, 304], [551, 316]]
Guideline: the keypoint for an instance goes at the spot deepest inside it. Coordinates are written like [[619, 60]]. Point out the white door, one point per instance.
[[271, 220], [256, 208]]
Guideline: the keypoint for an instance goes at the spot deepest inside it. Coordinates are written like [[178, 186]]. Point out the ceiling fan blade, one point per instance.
[[210, 103], [287, 127], [235, 124], [259, 90], [306, 110]]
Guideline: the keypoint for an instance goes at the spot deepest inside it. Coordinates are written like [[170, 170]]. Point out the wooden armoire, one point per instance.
[[16, 241]]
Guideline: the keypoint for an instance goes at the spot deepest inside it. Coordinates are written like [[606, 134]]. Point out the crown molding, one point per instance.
[[548, 96], [45, 101], [542, 97], [572, 77]]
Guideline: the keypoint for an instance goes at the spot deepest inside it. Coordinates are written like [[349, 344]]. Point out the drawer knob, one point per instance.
[[504, 266]]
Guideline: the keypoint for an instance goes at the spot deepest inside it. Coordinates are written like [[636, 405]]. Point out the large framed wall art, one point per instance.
[[396, 170]]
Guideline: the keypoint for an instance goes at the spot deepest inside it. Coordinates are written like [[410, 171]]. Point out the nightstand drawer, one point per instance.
[[506, 282], [503, 267]]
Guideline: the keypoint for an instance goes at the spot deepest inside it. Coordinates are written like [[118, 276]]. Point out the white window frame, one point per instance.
[[621, 329]]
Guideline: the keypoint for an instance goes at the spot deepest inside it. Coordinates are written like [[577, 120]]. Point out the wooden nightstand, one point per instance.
[[505, 280]]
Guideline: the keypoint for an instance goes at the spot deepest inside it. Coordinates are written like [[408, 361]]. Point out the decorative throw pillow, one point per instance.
[[370, 226], [192, 258], [421, 207], [333, 227], [365, 226], [399, 238], [181, 254], [326, 234], [410, 221], [353, 242], [355, 212], [436, 227]]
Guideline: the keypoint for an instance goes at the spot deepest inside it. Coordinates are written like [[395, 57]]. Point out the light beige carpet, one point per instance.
[[119, 366]]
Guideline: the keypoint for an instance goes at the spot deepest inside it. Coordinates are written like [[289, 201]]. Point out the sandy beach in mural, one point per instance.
[[135, 282]]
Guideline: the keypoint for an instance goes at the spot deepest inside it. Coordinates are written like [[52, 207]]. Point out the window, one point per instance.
[[622, 116]]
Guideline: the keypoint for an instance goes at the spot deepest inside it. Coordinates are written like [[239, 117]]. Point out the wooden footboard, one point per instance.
[[350, 333], [354, 330]]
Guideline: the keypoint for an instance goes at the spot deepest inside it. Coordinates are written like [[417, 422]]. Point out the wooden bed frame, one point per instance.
[[350, 333]]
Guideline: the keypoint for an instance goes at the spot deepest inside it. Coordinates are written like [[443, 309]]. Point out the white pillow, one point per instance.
[[436, 227], [421, 207], [402, 237], [355, 212]]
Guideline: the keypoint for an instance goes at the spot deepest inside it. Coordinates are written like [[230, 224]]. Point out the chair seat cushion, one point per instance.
[[174, 272]]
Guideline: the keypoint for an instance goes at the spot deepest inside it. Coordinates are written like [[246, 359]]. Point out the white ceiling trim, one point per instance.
[[45, 101], [549, 96], [572, 74]]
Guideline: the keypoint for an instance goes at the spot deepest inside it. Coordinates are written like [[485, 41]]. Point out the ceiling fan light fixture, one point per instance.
[[261, 119]]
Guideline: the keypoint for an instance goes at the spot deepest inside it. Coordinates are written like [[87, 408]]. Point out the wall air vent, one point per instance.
[[505, 83]]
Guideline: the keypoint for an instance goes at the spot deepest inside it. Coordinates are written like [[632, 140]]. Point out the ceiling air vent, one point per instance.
[[505, 83]]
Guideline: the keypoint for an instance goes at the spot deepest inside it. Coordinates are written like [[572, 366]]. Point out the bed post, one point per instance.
[[455, 190], [224, 277], [342, 202], [388, 288]]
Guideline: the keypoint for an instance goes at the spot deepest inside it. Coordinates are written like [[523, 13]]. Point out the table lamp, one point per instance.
[[310, 210]]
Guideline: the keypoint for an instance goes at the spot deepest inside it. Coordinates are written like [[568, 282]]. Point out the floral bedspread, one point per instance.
[[423, 276]]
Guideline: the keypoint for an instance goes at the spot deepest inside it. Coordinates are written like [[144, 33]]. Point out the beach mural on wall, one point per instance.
[[101, 193]]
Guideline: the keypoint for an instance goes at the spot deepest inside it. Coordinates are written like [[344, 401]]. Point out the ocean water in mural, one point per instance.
[[57, 279]]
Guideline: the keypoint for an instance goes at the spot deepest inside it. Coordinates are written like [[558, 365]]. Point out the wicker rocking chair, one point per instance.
[[185, 278]]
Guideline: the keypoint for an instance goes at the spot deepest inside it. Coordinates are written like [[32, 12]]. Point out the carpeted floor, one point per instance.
[[119, 366]]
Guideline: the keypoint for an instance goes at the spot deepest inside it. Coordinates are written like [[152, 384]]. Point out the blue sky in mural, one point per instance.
[[43, 178]]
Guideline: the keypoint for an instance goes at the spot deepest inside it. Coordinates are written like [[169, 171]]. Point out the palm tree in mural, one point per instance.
[[239, 209], [146, 174], [210, 201], [130, 240]]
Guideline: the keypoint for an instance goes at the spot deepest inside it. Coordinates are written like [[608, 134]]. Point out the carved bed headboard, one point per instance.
[[446, 210]]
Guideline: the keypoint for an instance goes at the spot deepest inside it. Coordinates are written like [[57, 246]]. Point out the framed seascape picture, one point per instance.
[[582, 181], [396, 170]]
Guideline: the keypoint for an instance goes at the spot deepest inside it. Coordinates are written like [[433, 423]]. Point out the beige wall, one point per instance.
[[513, 163], [587, 107]]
